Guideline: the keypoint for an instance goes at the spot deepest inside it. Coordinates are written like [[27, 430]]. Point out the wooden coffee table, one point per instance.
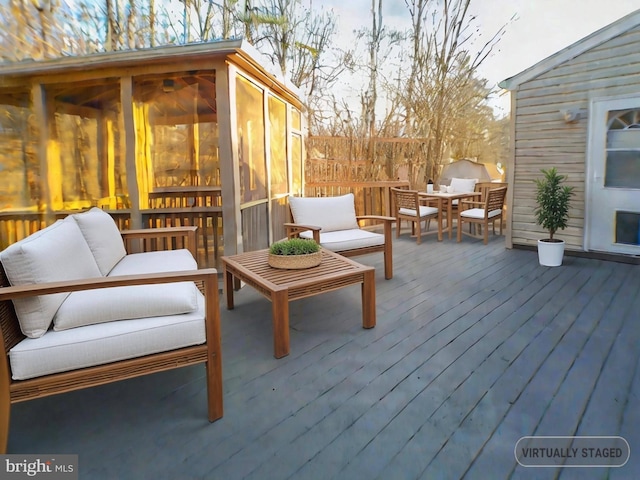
[[282, 286]]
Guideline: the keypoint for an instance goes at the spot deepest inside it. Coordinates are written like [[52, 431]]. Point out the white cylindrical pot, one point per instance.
[[550, 253]]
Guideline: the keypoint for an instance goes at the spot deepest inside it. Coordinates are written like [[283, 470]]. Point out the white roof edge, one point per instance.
[[596, 38], [107, 59], [127, 57]]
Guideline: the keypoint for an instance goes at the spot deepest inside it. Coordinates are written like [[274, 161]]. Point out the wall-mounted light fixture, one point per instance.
[[570, 115]]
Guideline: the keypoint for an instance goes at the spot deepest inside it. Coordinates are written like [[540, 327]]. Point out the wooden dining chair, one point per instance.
[[484, 187], [482, 214], [407, 207]]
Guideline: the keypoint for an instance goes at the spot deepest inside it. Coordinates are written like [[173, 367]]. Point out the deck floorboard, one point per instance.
[[475, 346]]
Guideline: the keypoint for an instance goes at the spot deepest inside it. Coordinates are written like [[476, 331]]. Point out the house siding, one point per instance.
[[543, 139]]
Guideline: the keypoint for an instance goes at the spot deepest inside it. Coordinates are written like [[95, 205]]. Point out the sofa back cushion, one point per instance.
[[90, 307], [102, 236], [329, 213], [58, 252]]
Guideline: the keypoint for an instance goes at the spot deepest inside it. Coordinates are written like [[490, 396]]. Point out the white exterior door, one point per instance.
[[612, 218]]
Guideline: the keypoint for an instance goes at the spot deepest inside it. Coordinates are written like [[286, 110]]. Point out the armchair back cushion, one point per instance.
[[30, 261], [102, 236], [463, 184], [329, 213]]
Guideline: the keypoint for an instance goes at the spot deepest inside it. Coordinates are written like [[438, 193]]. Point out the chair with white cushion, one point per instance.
[[407, 207], [482, 213], [459, 185], [332, 222]]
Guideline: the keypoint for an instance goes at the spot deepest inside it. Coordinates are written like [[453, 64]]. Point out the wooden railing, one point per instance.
[[203, 207]]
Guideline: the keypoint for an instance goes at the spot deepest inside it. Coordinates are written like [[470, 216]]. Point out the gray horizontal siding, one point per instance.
[[543, 139]]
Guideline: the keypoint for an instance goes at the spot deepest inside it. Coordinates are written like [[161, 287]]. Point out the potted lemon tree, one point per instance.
[[552, 214]]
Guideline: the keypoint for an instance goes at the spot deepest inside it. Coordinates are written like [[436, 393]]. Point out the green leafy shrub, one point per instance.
[[552, 212], [294, 246]]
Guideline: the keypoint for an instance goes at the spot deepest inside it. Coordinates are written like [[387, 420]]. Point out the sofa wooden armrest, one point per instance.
[[208, 352]]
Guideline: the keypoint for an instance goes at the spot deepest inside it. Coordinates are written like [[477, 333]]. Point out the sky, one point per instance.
[[535, 29]]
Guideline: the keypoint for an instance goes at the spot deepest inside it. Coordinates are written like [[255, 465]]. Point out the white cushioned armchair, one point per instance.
[[332, 222], [77, 310]]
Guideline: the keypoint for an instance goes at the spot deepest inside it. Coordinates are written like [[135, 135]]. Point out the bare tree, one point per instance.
[[443, 98], [297, 40]]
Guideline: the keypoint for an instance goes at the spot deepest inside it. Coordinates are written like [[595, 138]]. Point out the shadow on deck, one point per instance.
[[475, 346]]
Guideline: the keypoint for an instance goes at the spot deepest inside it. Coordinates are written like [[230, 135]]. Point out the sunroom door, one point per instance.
[[613, 177]]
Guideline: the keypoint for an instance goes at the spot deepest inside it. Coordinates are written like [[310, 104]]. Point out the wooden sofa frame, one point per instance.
[[209, 353], [294, 230]]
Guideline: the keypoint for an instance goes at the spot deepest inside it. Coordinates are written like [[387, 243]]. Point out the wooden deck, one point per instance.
[[475, 346]]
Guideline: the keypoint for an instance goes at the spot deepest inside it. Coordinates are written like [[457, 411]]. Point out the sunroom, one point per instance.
[[202, 135]]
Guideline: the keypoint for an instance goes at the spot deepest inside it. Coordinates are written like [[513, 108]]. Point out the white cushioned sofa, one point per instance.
[[78, 310], [332, 222]]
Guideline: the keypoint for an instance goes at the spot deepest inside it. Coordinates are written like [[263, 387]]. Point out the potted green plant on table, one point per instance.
[[295, 253], [552, 214]]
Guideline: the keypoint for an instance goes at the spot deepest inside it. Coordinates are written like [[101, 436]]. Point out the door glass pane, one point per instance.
[[628, 228], [623, 149], [623, 169]]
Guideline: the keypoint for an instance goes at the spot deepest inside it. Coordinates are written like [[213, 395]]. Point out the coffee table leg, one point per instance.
[[228, 288], [280, 312], [369, 299]]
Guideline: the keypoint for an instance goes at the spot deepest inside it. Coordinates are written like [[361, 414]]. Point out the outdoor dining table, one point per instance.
[[445, 202]]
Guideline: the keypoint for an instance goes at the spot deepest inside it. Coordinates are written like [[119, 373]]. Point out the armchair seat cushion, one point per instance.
[[479, 213], [106, 342], [352, 239]]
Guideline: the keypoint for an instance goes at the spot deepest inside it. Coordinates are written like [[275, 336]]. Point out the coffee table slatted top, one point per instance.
[[334, 272]]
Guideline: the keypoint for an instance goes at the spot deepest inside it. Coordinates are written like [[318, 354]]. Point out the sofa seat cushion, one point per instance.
[[342, 240], [328, 213], [102, 236], [58, 252], [155, 262], [105, 343]]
